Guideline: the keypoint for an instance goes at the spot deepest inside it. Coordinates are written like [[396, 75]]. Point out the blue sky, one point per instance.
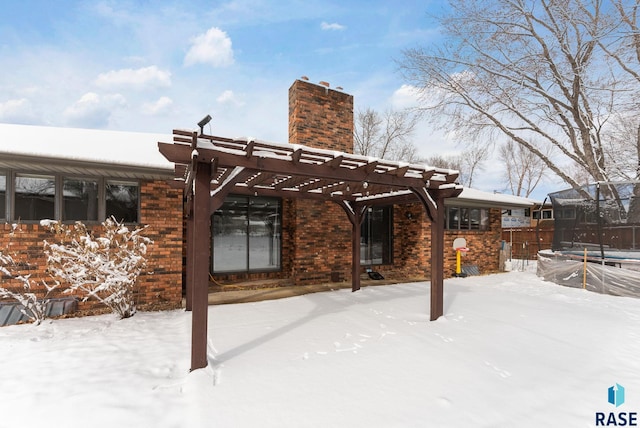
[[152, 66]]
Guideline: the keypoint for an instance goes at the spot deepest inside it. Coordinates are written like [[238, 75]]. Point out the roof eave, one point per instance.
[[48, 164]]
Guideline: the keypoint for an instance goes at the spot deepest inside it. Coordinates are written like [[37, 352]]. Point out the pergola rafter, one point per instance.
[[210, 168]]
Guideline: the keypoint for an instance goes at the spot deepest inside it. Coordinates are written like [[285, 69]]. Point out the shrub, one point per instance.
[[105, 268], [12, 269]]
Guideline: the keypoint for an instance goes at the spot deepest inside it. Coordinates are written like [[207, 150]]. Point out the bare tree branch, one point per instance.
[[551, 76], [386, 136]]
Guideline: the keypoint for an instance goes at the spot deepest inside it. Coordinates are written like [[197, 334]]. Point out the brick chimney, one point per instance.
[[320, 117], [319, 234]]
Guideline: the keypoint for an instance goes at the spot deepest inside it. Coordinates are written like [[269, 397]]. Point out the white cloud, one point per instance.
[[93, 110], [17, 111], [228, 97], [162, 105], [332, 27], [212, 47], [140, 78], [406, 96]]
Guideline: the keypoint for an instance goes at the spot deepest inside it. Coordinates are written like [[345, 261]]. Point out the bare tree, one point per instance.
[[473, 160], [469, 162], [549, 75], [522, 169], [445, 161], [387, 135]]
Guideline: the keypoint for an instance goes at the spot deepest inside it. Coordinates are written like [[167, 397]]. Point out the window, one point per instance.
[[80, 199], [458, 218], [122, 201], [376, 236], [546, 214], [34, 197], [3, 196], [247, 235]]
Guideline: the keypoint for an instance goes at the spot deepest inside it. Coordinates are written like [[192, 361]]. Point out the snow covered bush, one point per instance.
[[11, 269], [105, 268]]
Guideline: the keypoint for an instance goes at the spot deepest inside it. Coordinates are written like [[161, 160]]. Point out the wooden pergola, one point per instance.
[[209, 168]]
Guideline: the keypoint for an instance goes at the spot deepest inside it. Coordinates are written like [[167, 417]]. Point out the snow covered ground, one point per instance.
[[511, 351]]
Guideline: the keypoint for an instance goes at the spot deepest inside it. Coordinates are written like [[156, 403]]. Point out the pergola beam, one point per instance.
[[178, 153]]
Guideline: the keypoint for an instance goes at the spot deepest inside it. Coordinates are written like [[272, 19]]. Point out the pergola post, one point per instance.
[[437, 260], [433, 202], [356, 231], [355, 256], [200, 257], [189, 262], [355, 213]]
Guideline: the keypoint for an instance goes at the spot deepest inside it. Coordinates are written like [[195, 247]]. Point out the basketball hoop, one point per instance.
[[460, 245]]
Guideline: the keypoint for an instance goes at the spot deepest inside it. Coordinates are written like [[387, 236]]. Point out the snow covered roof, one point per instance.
[[23, 145], [131, 153], [479, 198]]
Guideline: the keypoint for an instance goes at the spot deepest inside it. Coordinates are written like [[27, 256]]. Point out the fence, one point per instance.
[[526, 242]]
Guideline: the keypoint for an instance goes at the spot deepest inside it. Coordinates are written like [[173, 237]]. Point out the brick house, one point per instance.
[[314, 237], [72, 174], [86, 175]]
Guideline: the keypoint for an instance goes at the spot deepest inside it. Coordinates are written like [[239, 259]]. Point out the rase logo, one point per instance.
[[615, 396]]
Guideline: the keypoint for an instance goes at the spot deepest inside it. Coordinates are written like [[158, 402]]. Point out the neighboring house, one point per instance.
[[527, 217], [88, 175], [528, 230]]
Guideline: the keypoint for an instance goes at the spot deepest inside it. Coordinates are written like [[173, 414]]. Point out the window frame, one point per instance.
[[247, 239], [4, 210], [100, 196], [103, 215], [22, 174], [466, 223], [390, 232], [59, 178]]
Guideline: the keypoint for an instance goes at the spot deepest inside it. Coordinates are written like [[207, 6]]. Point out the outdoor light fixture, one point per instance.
[[203, 122]]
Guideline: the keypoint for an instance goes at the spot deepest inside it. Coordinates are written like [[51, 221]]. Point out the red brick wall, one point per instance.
[[321, 245], [161, 210], [484, 246], [412, 248], [320, 117], [319, 233]]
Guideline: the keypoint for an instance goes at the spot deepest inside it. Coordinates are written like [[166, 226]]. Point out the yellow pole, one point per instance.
[[458, 269], [584, 273]]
